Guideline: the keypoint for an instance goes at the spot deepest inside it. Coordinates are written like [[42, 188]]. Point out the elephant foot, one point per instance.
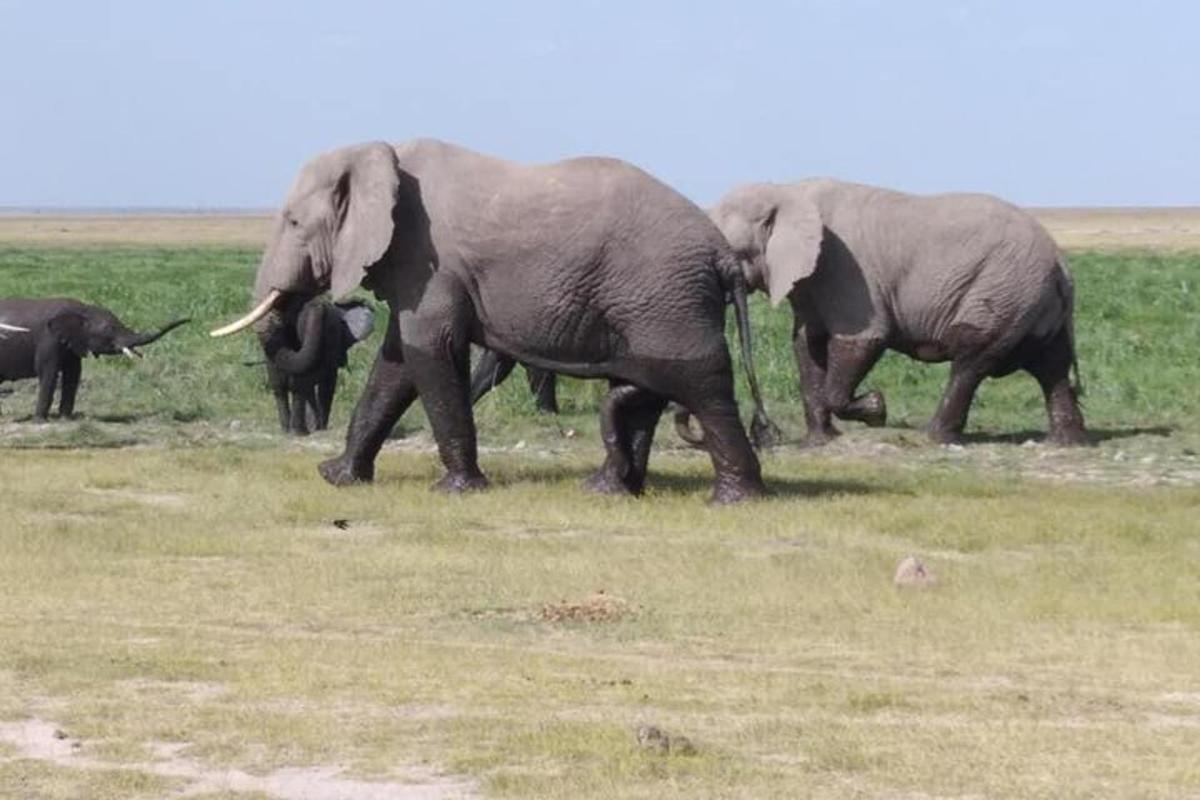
[[819, 437], [726, 492], [1069, 437], [874, 410], [547, 408], [602, 481], [461, 483], [298, 432], [940, 435], [339, 472]]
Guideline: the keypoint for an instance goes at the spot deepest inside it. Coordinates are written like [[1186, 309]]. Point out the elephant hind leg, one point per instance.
[[628, 418], [849, 361], [1051, 364]]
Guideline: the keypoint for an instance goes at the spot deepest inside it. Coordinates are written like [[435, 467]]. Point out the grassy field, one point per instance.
[[189, 611]]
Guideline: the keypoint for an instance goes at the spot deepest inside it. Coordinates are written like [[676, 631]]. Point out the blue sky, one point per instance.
[[217, 103]]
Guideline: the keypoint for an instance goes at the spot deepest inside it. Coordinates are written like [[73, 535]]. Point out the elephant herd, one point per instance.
[[590, 267]]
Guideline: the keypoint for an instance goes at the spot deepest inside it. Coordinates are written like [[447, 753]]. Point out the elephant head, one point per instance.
[[335, 224], [313, 332], [777, 236], [96, 331]]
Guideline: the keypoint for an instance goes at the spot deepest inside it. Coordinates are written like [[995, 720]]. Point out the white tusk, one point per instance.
[[4, 326], [129, 351], [254, 316]]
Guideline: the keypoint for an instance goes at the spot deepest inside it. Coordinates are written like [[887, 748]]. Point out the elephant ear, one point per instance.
[[364, 197], [793, 247], [359, 319], [71, 330]]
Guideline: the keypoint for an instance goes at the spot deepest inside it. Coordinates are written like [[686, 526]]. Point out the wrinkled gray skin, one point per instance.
[[966, 278], [492, 369], [589, 267], [304, 352], [61, 332]]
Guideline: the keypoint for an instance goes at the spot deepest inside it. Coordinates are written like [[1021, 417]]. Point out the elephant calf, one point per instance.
[[304, 352], [55, 334], [965, 278]]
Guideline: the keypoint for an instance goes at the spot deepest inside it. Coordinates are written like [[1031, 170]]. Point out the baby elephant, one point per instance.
[[58, 333], [304, 355]]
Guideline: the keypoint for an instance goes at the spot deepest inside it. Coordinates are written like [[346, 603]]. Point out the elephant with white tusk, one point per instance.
[[589, 267], [965, 278], [49, 338]]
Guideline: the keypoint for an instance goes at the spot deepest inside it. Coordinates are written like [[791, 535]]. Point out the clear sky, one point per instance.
[[217, 103]]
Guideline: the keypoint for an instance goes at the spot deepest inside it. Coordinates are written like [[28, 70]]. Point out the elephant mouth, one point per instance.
[[257, 313]]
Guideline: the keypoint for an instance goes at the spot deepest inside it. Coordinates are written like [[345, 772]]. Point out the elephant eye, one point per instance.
[[295, 223]]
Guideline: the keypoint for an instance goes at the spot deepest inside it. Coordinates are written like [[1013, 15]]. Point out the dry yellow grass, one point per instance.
[[66, 230], [1171, 229]]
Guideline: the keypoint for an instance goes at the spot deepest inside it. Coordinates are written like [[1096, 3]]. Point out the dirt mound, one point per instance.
[[596, 607]]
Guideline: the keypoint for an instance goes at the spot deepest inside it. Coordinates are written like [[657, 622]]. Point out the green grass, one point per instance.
[[1138, 322], [171, 573]]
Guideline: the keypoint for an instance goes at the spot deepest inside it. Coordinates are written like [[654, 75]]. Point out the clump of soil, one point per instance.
[[596, 607]]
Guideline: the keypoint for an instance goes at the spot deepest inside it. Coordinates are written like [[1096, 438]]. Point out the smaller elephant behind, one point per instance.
[[48, 338], [305, 353]]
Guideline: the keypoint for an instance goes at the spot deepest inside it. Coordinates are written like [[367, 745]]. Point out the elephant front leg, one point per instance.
[[437, 350], [390, 390], [72, 367], [811, 352], [849, 361], [47, 364]]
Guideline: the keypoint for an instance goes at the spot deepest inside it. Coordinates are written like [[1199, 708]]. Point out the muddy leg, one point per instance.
[[390, 390], [71, 369], [1052, 369], [611, 476], [849, 362], [437, 350], [950, 419], [810, 350]]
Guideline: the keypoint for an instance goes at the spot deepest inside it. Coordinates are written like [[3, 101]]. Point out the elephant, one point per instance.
[[492, 370], [966, 278], [305, 353], [59, 333], [589, 267]]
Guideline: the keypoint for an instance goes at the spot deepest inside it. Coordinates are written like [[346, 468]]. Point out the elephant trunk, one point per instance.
[[141, 339], [295, 361]]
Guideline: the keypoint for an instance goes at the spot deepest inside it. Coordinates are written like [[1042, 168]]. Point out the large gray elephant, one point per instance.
[[961, 277], [589, 267], [304, 354], [58, 333]]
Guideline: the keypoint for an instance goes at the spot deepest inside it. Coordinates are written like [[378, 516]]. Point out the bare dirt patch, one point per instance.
[[596, 607], [42, 740]]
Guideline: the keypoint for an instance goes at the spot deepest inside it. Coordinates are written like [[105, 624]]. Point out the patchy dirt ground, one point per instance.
[[42, 740]]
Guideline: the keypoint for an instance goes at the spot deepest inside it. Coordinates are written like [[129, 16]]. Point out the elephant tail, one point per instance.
[[763, 432], [1066, 290]]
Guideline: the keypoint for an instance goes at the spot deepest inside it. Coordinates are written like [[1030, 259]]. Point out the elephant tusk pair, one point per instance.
[[254, 316], [131, 353]]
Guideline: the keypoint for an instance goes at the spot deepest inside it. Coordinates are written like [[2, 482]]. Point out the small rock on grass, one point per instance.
[[911, 573]]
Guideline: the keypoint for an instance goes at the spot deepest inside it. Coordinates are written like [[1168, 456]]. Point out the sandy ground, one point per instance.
[[1074, 228]]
